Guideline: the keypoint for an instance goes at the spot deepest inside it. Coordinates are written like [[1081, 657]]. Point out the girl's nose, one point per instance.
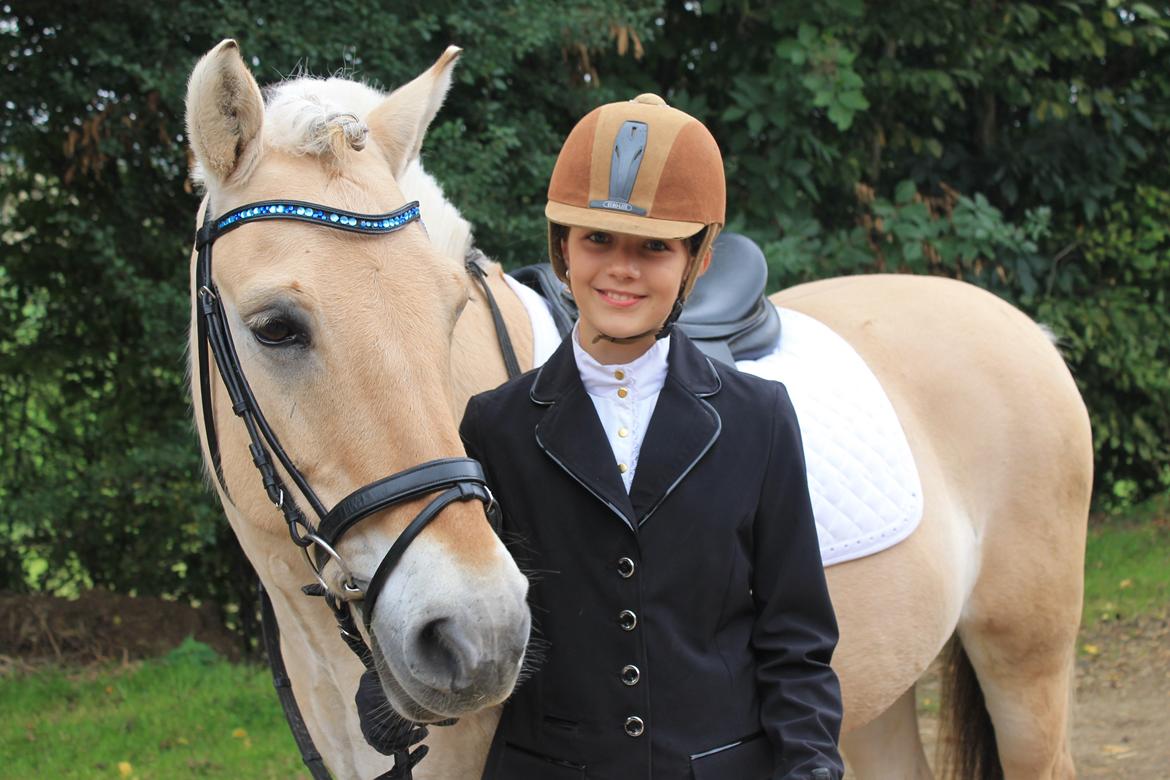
[[623, 263]]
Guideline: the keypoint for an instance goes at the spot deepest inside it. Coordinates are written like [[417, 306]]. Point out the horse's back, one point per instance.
[[971, 376]]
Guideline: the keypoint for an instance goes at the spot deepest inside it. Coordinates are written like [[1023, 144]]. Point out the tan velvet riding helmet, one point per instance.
[[639, 167]]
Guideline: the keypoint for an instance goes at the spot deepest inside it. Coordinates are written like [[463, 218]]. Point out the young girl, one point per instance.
[[659, 497]]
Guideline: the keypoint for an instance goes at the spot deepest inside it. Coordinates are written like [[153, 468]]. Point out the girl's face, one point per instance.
[[624, 285]]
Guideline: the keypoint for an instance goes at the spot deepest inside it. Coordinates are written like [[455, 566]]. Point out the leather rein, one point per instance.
[[458, 479]]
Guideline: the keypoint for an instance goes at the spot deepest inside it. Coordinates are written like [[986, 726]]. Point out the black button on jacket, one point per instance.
[[682, 630]]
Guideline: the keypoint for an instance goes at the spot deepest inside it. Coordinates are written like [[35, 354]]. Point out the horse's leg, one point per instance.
[[1020, 624], [888, 747], [1019, 631]]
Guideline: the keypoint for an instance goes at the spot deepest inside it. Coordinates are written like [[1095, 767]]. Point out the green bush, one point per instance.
[[1018, 146]]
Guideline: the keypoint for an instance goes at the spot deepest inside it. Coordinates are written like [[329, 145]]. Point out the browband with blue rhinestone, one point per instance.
[[309, 212]]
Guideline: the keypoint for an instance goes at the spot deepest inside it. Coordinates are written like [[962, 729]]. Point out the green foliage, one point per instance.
[[1114, 325], [1020, 147], [188, 715]]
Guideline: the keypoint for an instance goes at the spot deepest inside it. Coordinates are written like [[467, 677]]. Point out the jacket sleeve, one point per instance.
[[795, 628], [469, 430]]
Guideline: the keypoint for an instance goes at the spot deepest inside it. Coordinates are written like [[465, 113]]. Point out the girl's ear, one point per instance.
[[704, 264]]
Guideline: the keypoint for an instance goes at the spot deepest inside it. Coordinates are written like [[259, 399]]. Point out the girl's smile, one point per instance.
[[620, 299]]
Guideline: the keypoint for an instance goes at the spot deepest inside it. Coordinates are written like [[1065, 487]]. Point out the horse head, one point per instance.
[[345, 341]]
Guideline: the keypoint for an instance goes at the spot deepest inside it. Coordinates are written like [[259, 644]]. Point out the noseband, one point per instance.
[[454, 479]]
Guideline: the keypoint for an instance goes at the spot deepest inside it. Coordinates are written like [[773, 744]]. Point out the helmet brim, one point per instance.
[[619, 222]]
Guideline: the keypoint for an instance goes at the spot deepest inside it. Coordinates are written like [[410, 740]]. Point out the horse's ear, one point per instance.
[[225, 112], [401, 120]]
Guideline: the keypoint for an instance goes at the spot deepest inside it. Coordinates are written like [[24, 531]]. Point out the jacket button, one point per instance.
[[627, 620], [631, 675], [625, 567], [635, 726]]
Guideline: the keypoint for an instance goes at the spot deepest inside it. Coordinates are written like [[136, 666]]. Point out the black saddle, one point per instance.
[[727, 315]]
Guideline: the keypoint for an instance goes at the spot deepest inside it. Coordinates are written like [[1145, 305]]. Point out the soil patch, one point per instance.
[[103, 626]]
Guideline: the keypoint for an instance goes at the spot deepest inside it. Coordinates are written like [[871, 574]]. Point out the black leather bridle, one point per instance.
[[458, 479]]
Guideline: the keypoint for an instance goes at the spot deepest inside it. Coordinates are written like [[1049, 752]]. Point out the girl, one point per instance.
[[661, 497]]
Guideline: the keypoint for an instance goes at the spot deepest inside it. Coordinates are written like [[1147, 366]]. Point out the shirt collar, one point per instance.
[[642, 376]]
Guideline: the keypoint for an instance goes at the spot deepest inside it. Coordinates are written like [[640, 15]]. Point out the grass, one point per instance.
[[187, 715], [1127, 565], [191, 714]]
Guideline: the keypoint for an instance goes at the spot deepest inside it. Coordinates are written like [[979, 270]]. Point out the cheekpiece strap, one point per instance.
[[301, 211]]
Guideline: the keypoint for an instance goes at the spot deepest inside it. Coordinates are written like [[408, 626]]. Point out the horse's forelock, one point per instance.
[[319, 117], [324, 116]]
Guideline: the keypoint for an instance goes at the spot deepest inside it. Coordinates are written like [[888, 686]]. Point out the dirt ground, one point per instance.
[[1121, 727], [102, 626], [1122, 719]]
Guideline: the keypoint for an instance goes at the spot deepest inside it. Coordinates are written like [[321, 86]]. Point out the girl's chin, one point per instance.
[[625, 328]]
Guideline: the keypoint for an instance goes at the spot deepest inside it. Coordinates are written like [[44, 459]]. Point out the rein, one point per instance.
[[458, 479]]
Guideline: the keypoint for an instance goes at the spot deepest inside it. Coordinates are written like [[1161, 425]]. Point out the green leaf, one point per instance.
[[905, 191]]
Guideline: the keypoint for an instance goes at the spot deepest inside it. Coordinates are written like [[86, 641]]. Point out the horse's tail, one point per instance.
[[966, 735]]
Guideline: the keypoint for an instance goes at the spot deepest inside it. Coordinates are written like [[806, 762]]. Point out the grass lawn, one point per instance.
[[186, 715], [192, 715], [1127, 565]]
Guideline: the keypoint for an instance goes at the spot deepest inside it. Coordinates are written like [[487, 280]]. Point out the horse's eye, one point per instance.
[[277, 332]]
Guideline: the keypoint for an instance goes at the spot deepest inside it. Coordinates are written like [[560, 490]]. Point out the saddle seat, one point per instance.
[[727, 315]]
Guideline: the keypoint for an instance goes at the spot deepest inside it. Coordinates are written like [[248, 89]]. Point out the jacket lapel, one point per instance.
[[570, 433], [682, 428]]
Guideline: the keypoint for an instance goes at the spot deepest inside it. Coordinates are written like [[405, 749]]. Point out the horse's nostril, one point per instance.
[[446, 655]]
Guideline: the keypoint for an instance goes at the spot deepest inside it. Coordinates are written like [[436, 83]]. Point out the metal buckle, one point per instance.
[[347, 582]]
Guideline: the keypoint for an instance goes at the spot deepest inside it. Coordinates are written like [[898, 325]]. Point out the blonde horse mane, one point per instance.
[[322, 117]]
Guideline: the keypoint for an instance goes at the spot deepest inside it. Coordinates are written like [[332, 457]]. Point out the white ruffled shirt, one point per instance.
[[624, 395]]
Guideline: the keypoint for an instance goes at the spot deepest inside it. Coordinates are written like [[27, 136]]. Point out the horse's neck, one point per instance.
[[477, 363], [323, 671]]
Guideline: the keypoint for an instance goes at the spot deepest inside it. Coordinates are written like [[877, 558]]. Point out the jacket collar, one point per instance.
[[685, 364], [681, 430]]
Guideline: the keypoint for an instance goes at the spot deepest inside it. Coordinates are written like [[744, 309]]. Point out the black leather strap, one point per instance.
[[403, 486], [477, 273], [284, 691], [464, 491]]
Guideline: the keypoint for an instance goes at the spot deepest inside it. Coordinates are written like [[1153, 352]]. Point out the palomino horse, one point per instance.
[[384, 340]]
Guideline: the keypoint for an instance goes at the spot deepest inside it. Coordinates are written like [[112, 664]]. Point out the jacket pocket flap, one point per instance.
[[746, 759], [517, 763]]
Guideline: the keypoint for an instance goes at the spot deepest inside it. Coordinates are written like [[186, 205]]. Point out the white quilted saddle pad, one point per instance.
[[865, 489]]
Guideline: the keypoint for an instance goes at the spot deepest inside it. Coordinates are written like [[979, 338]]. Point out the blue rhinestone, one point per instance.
[[279, 209], [333, 217]]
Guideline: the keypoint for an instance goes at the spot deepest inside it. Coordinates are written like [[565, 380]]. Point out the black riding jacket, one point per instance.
[[683, 630]]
